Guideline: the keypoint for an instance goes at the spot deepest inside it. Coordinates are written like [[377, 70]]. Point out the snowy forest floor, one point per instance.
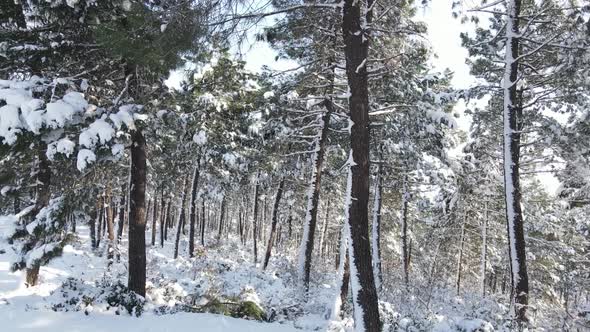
[[77, 291]]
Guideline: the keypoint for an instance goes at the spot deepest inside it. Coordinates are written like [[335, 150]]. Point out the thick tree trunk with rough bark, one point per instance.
[[512, 127], [356, 49], [137, 257], [273, 226]]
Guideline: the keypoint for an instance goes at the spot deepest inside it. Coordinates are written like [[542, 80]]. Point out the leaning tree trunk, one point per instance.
[[255, 216], [180, 217], [356, 49], [324, 231], [42, 200], [273, 226], [313, 197], [376, 229], [137, 259], [512, 127], [193, 213]]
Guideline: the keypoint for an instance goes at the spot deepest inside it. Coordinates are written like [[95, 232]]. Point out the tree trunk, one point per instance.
[[376, 229], [203, 220], [221, 219], [41, 201], [162, 219], [181, 217], [460, 260], [273, 226], [193, 213], [137, 258], [313, 197], [110, 228], [121, 223], [484, 250], [405, 252], [324, 231], [100, 220], [512, 127], [255, 216], [356, 48], [92, 224], [167, 219], [154, 219]]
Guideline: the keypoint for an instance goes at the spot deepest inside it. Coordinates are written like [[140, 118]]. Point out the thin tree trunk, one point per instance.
[[405, 252], [193, 213], [512, 127], [100, 220], [121, 222], [137, 257], [255, 216], [41, 201], [154, 219], [167, 219], [273, 227], [110, 228], [313, 197], [162, 219], [484, 250], [181, 217], [324, 231], [203, 222], [376, 229], [460, 260], [221, 218], [92, 224], [356, 48]]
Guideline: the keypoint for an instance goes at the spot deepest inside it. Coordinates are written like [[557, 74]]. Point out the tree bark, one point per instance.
[[273, 226], [181, 217], [484, 250], [137, 257], [405, 251], [121, 223], [100, 220], [193, 213], [162, 219], [376, 229], [203, 222], [324, 231], [255, 216], [110, 228], [512, 126], [221, 219], [356, 48], [460, 260], [41, 201], [154, 219], [313, 198]]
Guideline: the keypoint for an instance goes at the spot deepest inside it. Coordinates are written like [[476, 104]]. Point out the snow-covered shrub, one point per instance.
[[77, 295]]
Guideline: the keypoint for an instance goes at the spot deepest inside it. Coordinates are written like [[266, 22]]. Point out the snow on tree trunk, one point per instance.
[[343, 267], [110, 227], [324, 231], [313, 196], [41, 201], [193, 213], [273, 227], [221, 218], [511, 149], [460, 259], [255, 216], [376, 229], [484, 250], [180, 217], [356, 15], [137, 258]]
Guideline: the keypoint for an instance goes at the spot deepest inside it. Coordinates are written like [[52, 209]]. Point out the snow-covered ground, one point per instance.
[[170, 283]]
